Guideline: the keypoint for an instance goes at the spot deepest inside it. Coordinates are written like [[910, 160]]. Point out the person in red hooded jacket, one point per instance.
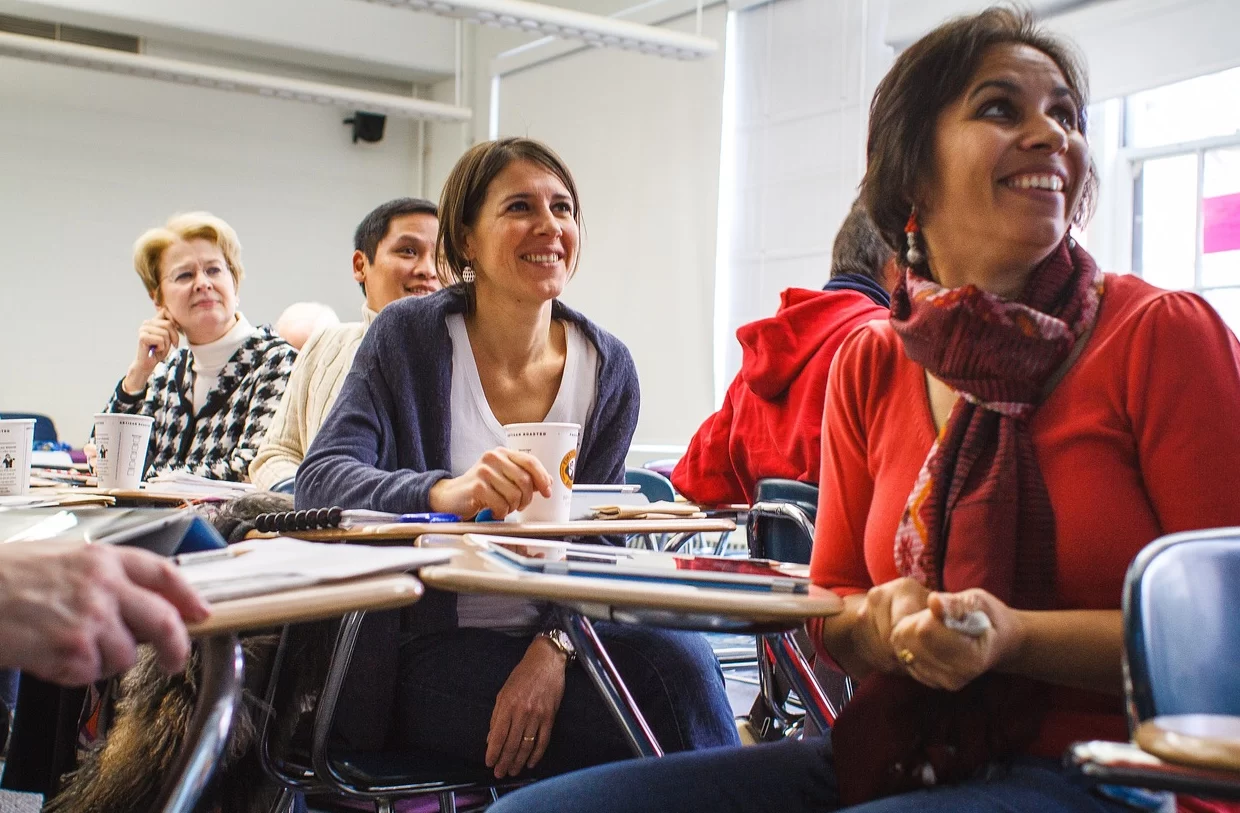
[[770, 424]]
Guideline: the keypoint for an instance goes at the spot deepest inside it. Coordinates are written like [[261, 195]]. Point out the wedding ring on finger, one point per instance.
[[906, 657], [528, 738]]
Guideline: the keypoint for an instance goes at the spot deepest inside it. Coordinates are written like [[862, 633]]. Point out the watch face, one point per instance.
[[560, 639]]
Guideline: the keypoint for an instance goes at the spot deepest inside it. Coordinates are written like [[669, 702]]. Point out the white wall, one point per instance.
[[90, 160], [805, 73], [1134, 45]]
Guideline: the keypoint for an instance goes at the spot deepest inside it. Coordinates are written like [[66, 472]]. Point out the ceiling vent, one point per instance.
[[70, 33]]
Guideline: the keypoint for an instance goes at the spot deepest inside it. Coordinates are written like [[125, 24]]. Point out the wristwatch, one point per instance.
[[560, 640]]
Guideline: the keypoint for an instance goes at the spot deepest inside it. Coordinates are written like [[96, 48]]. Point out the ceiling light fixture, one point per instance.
[[210, 76], [592, 29]]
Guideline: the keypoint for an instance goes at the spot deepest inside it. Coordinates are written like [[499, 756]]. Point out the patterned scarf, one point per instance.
[[979, 515]]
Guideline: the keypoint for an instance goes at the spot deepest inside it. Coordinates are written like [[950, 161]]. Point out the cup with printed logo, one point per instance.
[[121, 441], [16, 445], [555, 446]]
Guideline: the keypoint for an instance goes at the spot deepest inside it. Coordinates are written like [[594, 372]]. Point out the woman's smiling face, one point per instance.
[[1010, 165], [525, 239]]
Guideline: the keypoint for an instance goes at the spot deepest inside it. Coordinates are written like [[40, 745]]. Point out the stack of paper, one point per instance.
[[262, 566], [182, 482]]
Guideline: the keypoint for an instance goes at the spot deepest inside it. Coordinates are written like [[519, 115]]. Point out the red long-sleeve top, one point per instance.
[[1139, 439]]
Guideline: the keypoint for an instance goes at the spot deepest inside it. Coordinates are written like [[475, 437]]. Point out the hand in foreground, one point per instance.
[[944, 658], [885, 606], [72, 614], [156, 337], [502, 480], [525, 710]]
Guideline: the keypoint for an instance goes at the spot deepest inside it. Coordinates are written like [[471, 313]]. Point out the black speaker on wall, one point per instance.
[[367, 126]]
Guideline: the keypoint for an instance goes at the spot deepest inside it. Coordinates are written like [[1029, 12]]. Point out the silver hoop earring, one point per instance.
[[468, 275], [914, 252]]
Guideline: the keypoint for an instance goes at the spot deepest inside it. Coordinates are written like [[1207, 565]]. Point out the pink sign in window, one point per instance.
[[1220, 223]]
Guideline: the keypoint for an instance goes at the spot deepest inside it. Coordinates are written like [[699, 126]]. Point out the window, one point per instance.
[[1183, 147]]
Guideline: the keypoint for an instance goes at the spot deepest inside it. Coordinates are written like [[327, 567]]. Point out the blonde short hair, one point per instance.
[[189, 226]]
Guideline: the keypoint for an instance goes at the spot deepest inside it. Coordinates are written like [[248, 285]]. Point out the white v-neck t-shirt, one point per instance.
[[476, 430]]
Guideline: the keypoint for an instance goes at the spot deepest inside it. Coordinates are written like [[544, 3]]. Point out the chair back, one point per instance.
[[44, 429], [1182, 625], [651, 484], [777, 537], [286, 486], [664, 465]]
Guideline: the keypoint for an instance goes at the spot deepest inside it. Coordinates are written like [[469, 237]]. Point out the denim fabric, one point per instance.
[[448, 683], [793, 776]]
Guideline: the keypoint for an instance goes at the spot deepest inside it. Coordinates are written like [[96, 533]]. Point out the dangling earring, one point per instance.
[[467, 275], [911, 230]]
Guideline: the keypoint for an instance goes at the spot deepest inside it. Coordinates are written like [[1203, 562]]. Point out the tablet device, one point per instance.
[[159, 530], [563, 558]]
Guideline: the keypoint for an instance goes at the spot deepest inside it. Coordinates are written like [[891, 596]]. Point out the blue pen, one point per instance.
[[429, 517]]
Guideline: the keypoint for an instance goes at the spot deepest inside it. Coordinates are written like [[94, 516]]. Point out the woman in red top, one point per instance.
[[993, 458]]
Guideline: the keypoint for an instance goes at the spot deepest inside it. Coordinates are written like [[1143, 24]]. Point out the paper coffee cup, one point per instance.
[[122, 441], [555, 446], [16, 444]]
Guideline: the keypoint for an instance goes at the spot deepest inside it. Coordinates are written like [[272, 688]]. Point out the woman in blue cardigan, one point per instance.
[[419, 425]]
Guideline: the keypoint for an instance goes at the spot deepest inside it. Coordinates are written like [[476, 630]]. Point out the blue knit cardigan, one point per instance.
[[386, 440]]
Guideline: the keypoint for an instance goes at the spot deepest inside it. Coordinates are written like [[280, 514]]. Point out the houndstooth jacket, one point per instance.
[[220, 440]]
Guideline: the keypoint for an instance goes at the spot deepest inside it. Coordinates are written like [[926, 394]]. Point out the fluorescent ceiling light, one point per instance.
[[210, 76], [592, 29]]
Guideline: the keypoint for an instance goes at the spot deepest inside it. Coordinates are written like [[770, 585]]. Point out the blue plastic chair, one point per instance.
[[653, 485], [1182, 625], [1181, 640], [286, 486], [781, 526], [44, 429]]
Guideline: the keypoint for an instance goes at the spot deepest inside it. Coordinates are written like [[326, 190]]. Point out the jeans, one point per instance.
[[448, 682], [790, 777]]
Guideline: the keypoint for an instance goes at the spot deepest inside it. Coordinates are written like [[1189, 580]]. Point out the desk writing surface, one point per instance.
[[1203, 740], [309, 604], [406, 531], [470, 573], [124, 495]]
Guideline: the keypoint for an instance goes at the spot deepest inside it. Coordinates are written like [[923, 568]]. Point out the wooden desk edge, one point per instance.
[[309, 604], [757, 606], [1212, 753], [412, 530]]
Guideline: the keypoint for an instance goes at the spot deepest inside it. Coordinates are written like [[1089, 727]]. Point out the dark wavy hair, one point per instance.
[[928, 76]]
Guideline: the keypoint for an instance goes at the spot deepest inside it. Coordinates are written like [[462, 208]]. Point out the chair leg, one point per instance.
[[219, 695], [384, 806], [598, 665], [285, 802], [447, 802]]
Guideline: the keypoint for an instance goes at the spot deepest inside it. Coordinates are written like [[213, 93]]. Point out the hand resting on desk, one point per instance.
[[72, 613], [502, 480]]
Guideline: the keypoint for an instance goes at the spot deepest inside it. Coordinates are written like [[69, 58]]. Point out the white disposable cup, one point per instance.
[[121, 441], [555, 446], [16, 444]]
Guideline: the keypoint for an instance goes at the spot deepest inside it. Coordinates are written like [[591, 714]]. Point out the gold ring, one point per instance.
[[529, 738], [906, 657]]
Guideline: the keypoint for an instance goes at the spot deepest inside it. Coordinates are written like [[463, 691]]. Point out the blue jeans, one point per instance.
[[448, 682], [790, 777]]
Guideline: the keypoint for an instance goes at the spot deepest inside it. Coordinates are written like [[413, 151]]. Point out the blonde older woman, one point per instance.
[[212, 400]]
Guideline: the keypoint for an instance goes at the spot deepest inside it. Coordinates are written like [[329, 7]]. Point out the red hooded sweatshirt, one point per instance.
[[770, 424]]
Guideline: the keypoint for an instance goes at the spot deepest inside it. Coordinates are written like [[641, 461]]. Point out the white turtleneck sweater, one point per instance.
[[317, 377], [210, 358]]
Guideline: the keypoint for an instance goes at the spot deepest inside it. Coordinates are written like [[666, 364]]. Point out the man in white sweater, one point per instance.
[[393, 257]]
